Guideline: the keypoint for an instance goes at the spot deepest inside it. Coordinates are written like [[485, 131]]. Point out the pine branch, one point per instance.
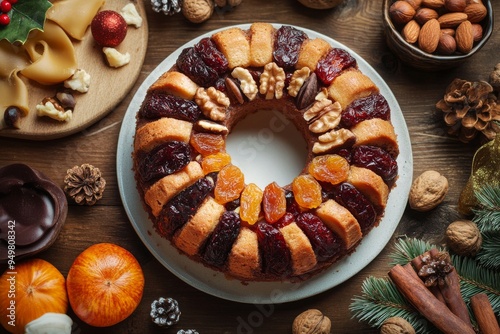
[[406, 249], [487, 217], [381, 300], [489, 255], [475, 279]]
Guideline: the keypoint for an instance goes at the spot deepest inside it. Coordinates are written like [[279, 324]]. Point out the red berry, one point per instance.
[[12, 1], [4, 19], [5, 6], [108, 28]]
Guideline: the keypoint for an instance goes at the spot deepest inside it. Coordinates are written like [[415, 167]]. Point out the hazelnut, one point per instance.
[[455, 5], [11, 117], [415, 3], [197, 11], [428, 191], [320, 4], [396, 325], [425, 14], [401, 12], [311, 321], [464, 238], [477, 32], [447, 44]]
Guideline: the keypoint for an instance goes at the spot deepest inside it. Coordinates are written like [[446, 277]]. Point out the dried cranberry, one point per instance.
[[287, 219], [276, 258], [330, 66], [191, 64], [287, 43], [353, 200], [232, 205], [377, 160], [324, 242], [372, 106], [291, 205], [222, 239], [183, 206], [346, 154], [159, 104], [164, 160], [211, 56]]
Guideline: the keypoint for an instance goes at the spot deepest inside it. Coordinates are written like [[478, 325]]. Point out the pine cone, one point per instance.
[[435, 268], [84, 184], [469, 108], [165, 312], [168, 7]]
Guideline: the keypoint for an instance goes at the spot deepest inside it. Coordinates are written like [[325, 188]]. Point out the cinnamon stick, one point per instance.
[[485, 316], [426, 303], [453, 296]]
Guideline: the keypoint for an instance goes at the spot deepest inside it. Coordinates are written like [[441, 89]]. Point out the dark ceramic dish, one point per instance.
[[411, 55]]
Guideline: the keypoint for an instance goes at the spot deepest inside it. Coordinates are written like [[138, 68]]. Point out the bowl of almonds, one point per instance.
[[437, 34]]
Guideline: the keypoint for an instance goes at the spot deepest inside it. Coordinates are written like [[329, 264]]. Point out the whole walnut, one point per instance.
[[396, 325], [311, 321], [428, 191], [197, 11], [320, 4], [464, 238]]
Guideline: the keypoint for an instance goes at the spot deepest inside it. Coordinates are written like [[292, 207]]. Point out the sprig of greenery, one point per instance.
[[489, 255], [406, 249], [487, 216]]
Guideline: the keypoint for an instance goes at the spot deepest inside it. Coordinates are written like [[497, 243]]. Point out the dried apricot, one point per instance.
[[307, 191], [250, 203], [330, 168], [274, 202], [207, 143], [215, 162], [230, 184]]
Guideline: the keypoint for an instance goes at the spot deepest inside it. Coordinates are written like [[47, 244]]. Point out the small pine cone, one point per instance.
[[168, 7], [187, 331], [470, 108], [165, 312], [84, 184], [435, 268]]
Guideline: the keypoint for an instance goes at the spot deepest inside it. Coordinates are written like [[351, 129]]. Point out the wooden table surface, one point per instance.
[[358, 25]]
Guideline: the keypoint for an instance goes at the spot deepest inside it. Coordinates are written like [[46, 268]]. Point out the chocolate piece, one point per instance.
[[33, 210]]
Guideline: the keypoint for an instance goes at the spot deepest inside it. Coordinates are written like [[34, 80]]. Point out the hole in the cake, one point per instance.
[[267, 147]]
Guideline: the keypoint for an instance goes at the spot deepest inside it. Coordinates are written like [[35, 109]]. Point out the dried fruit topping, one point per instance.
[[287, 43], [372, 106], [377, 160], [222, 239], [291, 204], [276, 259], [354, 201], [215, 162], [165, 159], [230, 184], [250, 203], [165, 312], [273, 202], [287, 219], [191, 64], [307, 191], [207, 143], [183, 206], [159, 104], [330, 168], [211, 56], [233, 205], [324, 242], [330, 66]]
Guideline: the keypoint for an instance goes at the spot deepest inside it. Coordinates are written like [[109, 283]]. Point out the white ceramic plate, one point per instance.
[[215, 283]]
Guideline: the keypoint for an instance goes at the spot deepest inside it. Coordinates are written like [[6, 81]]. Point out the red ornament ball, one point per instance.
[[108, 28]]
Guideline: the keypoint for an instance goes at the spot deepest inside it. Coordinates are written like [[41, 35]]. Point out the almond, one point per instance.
[[476, 12], [451, 20], [464, 37], [411, 31], [447, 45], [415, 3], [435, 4], [429, 36], [401, 12], [477, 32], [455, 5], [425, 14]]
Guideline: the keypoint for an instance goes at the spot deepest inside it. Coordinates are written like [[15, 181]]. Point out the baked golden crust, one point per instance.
[[160, 131], [261, 44], [311, 52], [244, 258], [234, 44], [350, 85], [175, 83]]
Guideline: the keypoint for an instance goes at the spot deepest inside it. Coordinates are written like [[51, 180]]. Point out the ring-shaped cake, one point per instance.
[[199, 200]]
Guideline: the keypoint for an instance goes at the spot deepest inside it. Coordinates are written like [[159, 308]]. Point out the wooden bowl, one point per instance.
[[411, 55]]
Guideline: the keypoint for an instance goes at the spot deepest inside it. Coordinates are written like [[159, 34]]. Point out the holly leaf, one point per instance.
[[25, 16]]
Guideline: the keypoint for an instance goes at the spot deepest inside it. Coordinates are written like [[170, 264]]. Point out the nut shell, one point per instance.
[[401, 12], [396, 325], [320, 4], [197, 11], [311, 321], [464, 238], [428, 191]]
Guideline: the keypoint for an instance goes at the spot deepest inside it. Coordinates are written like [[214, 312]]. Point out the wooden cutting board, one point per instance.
[[107, 88]]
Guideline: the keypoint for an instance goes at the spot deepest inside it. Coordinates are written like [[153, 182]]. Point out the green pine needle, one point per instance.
[[489, 255], [406, 249], [381, 300], [487, 217]]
